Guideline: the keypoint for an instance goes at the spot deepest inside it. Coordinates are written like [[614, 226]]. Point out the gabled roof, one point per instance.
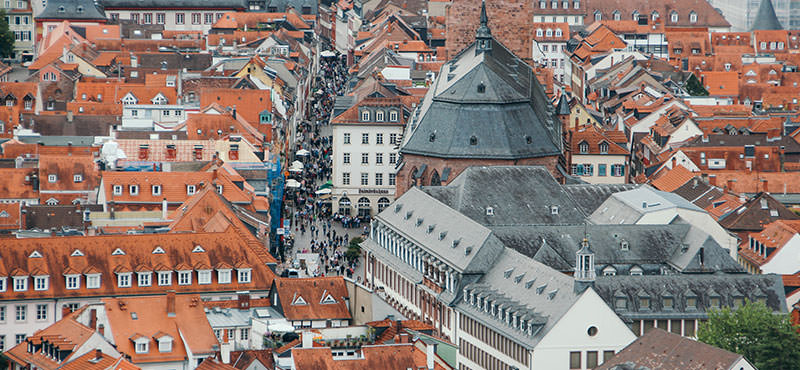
[[313, 304], [66, 334], [147, 316], [761, 210], [90, 361], [672, 179], [398, 356], [173, 186], [659, 349]]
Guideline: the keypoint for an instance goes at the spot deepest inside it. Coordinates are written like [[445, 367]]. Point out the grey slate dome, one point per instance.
[[485, 103], [72, 10], [766, 18]]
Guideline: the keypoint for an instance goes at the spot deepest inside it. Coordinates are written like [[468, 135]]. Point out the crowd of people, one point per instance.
[[305, 209]]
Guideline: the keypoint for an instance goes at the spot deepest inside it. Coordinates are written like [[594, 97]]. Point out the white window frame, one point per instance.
[[77, 178], [164, 278], [144, 278], [392, 116], [365, 116], [379, 116], [141, 347], [41, 283], [124, 280], [20, 283], [191, 189], [72, 281], [3, 284], [93, 281], [52, 178], [244, 276], [133, 189], [203, 277], [224, 276], [155, 189], [187, 275], [116, 189]]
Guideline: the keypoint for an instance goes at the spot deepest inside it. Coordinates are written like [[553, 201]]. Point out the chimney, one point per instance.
[[766, 185], [225, 351], [712, 179], [244, 300], [69, 116], [730, 184], [171, 303], [65, 311], [430, 352], [98, 353], [93, 318], [308, 339], [164, 209], [101, 329]]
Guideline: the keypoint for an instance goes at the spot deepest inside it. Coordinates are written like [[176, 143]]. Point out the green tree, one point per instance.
[[694, 87], [6, 37], [766, 339], [354, 249]]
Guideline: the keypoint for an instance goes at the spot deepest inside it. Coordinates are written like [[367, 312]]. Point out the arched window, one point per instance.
[[539, 32], [604, 148], [583, 147], [344, 203], [673, 17], [559, 33], [363, 202], [616, 15], [383, 203], [435, 179], [693, 17], [549, 33], [635, 15], [654, 15], [598, 16]]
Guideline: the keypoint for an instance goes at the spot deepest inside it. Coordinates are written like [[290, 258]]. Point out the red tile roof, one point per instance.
[[90, 361], [136, 317], [173, 186], [396, 356], [594, 137], [321, 298], [17, 183], [112, 254], [673, 179], [66, 334]]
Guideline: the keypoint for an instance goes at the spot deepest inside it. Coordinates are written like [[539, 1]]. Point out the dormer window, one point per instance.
[[145, 278], [219, 189], [93, 281], [245, 275], [379, 116], [393, 116], [548, 32], [692, 17], [117, 189], [156, 189], [142, 344], [559, 33], [204, 277], [52, 178], [73, 281], [636, 271], [604, 148], [190, 189], [365, 116], [77, 178], [20, 283], [124, 280], [539, 32], [609, 271], [165, 344], [133, 189], [673, 17], [598, 16], [224, 276], [617, 15], [583, 147]]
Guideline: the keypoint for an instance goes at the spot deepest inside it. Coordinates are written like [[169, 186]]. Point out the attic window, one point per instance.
[[158, 250], [481, 88], [528, 139], [299, 301], [61, 9], [198, 249], [432, 137], [328, 299], [489, 211], [553, 210], [430, 228], [79, 9], [419, 221], [604, 148], [118, 252], [76, 253], [35, 254], [624, 245], [473, 140]]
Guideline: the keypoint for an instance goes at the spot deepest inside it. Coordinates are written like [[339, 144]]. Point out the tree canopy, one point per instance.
[[766, 339], [6, 37]]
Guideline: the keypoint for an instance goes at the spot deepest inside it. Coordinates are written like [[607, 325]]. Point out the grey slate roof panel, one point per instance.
[[509, 117], [518, 195], [766, 18], [145, 4], [71, 10], [589, 196]]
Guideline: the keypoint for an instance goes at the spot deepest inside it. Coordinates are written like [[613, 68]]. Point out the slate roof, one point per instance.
[[659, 349], [72, 10], [766, 18], [517, 194], [628, 206], [757, 212], [511, 119], [172, 4], [528, 288], [654, 248], [590, 196], [728, 287], [423, 218]]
